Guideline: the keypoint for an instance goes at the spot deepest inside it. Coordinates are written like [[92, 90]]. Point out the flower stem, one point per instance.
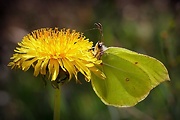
[[57, 93]]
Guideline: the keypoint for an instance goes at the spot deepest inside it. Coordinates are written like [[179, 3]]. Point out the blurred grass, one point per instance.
[[151, 27]]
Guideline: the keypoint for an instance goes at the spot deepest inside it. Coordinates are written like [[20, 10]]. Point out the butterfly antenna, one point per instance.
[[100, 28], [95, 28]]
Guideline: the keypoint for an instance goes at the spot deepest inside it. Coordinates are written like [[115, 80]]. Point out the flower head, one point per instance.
[[52, 52]]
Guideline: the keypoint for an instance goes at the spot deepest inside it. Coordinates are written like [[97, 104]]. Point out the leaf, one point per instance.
[[130, 77]]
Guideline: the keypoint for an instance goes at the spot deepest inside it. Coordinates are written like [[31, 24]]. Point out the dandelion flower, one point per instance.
[[52, 52]]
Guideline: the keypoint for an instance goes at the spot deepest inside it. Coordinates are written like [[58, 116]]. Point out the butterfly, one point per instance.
[[130, 76]]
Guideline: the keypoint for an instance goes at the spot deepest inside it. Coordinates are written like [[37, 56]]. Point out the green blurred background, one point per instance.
[[151, 27]]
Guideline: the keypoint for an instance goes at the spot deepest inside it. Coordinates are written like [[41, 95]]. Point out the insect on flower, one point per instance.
[[119, 77]]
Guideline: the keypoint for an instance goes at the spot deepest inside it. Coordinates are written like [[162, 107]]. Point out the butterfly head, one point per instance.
[[99, 49]]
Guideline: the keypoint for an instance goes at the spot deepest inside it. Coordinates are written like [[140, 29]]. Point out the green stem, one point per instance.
[[57, 93]]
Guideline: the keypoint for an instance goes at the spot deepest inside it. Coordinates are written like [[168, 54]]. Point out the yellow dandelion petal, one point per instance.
[[53, 69], [44, 66], [61, 64], [98, 72], [27, 64], [37, 68], [69, 67], [56, 52], [84, 70]]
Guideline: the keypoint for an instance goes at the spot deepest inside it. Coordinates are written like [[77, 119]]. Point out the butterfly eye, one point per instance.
[[100, 45]]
